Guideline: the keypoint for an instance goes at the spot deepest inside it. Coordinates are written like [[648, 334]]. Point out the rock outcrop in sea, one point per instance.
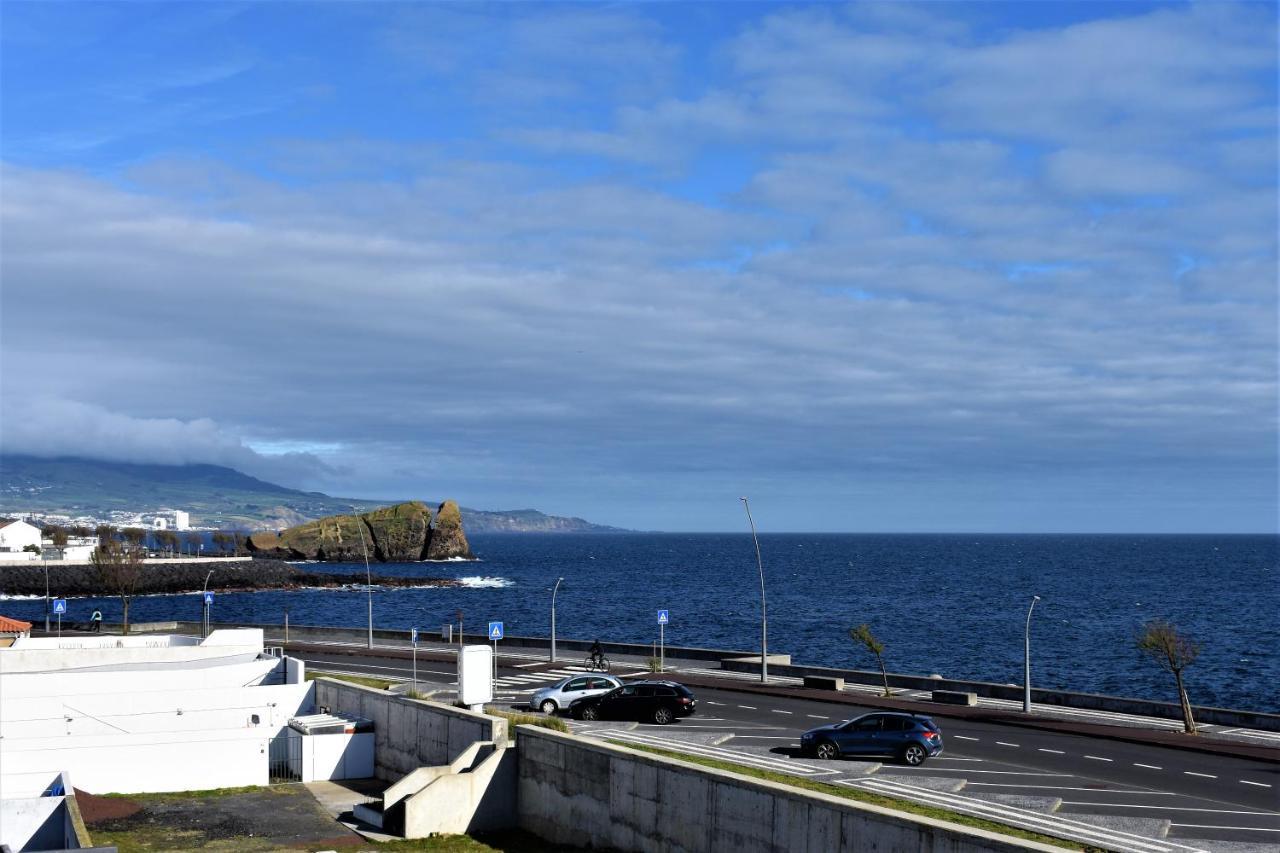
[[394, 534]]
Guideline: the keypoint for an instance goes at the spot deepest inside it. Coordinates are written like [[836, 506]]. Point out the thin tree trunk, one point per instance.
[[884, 675], [125, 602], [1188, 722]]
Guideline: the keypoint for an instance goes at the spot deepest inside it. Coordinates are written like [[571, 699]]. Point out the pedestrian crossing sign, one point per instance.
[[662, 617], [59, 605], [495, 631]]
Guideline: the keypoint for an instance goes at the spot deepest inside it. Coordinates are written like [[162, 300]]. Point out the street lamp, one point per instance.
[[1026, 660], [368, 578], [764, 612], [46, 594], [553, 618]]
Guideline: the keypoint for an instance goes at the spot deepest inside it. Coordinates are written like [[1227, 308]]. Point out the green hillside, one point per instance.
[[214, 495]]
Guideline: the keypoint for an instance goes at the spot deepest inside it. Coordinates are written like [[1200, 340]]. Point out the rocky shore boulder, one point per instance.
[[447, 539], [401, 533]]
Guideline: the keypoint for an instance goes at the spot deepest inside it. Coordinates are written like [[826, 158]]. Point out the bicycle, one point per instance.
[[596, 663]]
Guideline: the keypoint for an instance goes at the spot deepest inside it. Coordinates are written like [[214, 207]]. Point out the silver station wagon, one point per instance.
[[559, 696]]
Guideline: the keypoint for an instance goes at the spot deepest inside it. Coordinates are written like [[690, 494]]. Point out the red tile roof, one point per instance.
[[13, 626]]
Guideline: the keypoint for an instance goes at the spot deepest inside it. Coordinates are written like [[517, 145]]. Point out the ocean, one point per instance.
[[948, 604]]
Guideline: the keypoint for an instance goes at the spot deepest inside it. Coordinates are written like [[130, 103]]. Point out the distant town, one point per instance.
[[53, 536]]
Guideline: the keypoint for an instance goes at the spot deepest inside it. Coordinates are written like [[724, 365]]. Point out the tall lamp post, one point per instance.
[[368, 577], [1026, 660], [764, 612], [553, 618], [46, 595]]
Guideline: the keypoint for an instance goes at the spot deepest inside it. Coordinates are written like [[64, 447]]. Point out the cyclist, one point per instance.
[[596, 655]]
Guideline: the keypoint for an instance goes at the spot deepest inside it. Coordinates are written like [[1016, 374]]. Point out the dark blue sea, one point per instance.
[[948, 604]]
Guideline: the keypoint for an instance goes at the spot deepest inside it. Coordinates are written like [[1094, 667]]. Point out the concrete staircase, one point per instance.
[[475, 792]]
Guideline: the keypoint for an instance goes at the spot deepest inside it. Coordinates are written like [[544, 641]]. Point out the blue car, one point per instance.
[[910, 738]]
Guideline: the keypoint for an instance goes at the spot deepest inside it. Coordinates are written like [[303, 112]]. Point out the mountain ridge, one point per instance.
[[215, 495]]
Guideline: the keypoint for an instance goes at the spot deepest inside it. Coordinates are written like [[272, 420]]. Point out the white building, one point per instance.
[[155, 713], [15, 537], [78, 549], [159, 523], [181, 520]]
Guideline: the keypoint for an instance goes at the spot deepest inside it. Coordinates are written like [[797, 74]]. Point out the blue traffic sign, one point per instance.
[[59, 605], [413, 636], [208, 598], [495, 630], [663, 619]]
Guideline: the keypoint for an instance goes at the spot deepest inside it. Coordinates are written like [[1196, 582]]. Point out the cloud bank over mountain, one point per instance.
[[884, 267]]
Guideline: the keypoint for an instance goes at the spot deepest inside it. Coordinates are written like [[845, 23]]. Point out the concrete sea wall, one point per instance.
[[578, 792]]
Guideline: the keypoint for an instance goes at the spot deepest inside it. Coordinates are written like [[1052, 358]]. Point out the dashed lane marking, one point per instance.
[[1259, 784], [1097, 758], [1002, 743], [776, 711], [747, 707], [1147, 766], [933, 769], [963, 737], [1202, 775], [1054, 751], [815, 716]]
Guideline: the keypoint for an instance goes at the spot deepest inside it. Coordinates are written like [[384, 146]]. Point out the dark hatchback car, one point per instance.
[[658, 702], [910, 738]]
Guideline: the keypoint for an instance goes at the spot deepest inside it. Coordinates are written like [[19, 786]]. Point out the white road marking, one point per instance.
[[954, 758], [709, 702], [1148, 766], [1051, 824], [963, 737], [796, 768], [1067, 788], [747, 707], [1164, 808], [765, 737], [1204, 775], [1097, 758], [776, 711], [1259, 784], [996, 772], [1242, 828], [815, 716], [1054, 751], [1002, 743]]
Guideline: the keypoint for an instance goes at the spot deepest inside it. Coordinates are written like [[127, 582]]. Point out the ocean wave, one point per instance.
[[478, 582], [455, 560], [21, 597]]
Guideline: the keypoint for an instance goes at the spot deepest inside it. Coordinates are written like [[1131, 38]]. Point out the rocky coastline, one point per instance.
[[402, 533], [73, 580]]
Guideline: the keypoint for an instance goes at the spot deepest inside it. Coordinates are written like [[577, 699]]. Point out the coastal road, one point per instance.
[[1136, 796]]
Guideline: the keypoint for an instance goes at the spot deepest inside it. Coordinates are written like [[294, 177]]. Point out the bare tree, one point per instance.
[[192, 542], [135, 536], [1173, 652], [221, 540], [59, 536], [119, 570], [106, 533], [862, 634]]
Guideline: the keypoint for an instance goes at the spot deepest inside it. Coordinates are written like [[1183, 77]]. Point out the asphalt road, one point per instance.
[[1137, 797]]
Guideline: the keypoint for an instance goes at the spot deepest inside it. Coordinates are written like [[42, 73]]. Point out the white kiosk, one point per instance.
[[475, 676]]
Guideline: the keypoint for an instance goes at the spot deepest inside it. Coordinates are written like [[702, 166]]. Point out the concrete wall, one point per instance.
[[578, 792], [410, 733]]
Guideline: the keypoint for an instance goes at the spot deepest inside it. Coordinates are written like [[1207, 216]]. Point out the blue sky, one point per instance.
[[888, 267]]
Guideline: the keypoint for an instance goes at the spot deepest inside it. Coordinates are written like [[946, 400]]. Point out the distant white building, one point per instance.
[[160, 523], [78, 549], [181, 520], [15, 537]]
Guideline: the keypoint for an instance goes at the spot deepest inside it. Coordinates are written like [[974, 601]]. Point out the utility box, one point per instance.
[[475, 675]]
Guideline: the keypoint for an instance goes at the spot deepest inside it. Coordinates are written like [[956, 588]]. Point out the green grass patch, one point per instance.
[[516, 718], [862, 797], [375, 683], [511, 841]]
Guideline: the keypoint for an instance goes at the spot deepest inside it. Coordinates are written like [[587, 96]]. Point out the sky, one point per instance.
[[879, 267]]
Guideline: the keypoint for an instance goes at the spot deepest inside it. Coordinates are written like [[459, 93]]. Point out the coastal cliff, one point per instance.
[[397, 534]]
